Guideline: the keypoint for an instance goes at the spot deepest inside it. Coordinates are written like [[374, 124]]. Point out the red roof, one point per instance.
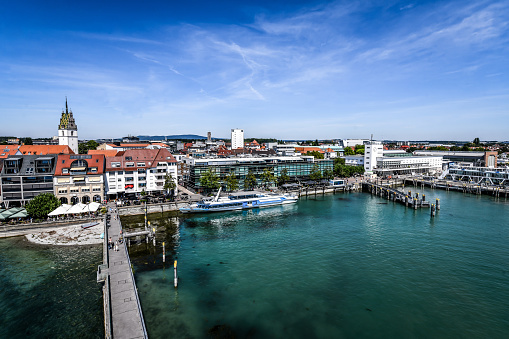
[[150, 157], [65, 161], [106, 153], [6, 150], [45, 149]]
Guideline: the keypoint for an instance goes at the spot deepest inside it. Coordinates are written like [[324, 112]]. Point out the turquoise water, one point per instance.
[[339, 266], [49, 291]]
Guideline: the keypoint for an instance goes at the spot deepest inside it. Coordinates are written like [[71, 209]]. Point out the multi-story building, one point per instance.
[[79, 178], [372, 151], [298, 167], [237, 138], [68, 130], [408, 165], [23, 177], [478, 159], [137, 170]]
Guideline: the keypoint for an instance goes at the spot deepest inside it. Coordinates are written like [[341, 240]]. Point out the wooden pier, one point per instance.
[[122, 309], [393, 194]]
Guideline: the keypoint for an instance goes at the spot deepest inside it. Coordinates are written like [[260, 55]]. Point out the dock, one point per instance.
[[393, 194], [123, 315]]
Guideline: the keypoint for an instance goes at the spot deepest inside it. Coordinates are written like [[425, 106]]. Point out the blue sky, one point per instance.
[[294, 69]]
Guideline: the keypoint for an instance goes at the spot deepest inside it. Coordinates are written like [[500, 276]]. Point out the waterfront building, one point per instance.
[[68, 130], [372, 151], [136, 170], [298, 167], [478, 159], [79, 178], [393, 162], [237, 138], [408, 165], [479, 175], [23, 177]]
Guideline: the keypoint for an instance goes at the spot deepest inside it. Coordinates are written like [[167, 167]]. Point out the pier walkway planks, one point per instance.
[[126, 314]]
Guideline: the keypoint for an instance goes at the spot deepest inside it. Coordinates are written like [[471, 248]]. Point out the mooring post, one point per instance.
[[424, 197], [432, 210], [415, 203], [164, 253], [438, 204], [175, 278], [406, 200], [154, 236]]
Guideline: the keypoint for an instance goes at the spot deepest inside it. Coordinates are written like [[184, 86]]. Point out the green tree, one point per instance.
[[169, 183], [283, 176], [359, 149], [316, 143], [465, 148], [42, 205], [84, 147], [315, 154], [28, 141], [250, 181], [476, 142], [209, 180], [349, 151], [232, 183], [268, 177], [328, 174], [315, 173]]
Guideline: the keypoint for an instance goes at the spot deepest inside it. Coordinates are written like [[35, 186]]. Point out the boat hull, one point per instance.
[[188, 210]]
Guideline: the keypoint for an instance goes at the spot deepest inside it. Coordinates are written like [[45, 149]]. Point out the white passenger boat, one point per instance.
[[239, 201]]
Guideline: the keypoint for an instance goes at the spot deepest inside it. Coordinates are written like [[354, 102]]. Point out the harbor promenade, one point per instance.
[[126, 314]]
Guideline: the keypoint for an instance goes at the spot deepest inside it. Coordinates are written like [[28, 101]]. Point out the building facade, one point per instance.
[[23, 177], [372, 151], [138, 170], [79, 178], [297, 168], [68, 130], [237, 138]]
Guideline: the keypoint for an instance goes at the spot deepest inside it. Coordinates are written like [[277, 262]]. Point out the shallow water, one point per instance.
[[337, 266], [49, 291]]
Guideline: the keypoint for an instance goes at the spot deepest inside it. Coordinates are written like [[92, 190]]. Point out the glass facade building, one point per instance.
[[298, 168]]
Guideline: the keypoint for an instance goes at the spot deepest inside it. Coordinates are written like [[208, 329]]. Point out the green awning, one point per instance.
[[21, 214], [7, 213]]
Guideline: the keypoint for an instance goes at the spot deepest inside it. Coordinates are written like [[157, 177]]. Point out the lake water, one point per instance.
[[348, 265], [49, 291]]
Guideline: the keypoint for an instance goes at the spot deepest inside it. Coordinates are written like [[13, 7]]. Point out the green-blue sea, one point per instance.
[[349, 265]]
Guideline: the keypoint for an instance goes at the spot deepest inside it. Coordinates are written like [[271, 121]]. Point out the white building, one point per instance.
[[408, 165], [372, 151], [68, 130], [237, 138], [354, 160], [353, 142], [139, 170]]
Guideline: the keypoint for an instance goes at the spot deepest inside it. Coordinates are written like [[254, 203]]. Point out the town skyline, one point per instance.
[[292, 70]]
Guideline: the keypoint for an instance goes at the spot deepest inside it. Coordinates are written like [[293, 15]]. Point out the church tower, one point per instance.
[[67, 130]]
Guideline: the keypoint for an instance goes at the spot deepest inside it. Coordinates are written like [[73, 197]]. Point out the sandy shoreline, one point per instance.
[[68, 236]]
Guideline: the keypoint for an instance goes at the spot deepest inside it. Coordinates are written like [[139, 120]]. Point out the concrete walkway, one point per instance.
[[126, 315]]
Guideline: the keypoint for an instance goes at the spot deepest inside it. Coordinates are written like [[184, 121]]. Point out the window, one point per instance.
[[93, 170], [142, 185], [75, 190], [63, 161], [128, 158], [62, 191], [119, 179], [65, 171], [129, 164], [140, 164], [129, 179], [96, 189], [115, 164], [85, 190]]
